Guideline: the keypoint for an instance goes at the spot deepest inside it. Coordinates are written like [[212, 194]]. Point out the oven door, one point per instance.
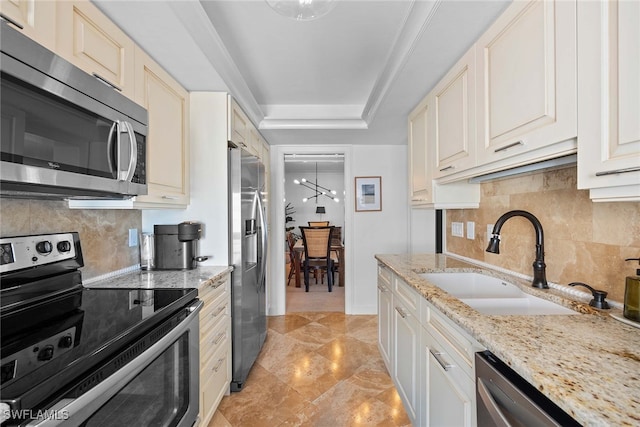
[[159, 387]]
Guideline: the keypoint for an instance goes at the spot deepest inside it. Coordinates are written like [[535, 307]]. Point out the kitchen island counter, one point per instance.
[[588, 363], [196, 278]]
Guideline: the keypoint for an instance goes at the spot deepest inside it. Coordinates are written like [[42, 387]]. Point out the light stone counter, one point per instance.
[[195, 278], [588, 364]]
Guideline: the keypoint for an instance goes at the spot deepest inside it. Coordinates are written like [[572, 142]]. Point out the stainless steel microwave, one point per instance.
[[65, 133]]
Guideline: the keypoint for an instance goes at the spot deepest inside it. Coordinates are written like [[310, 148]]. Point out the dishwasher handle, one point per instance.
[[491, 405]]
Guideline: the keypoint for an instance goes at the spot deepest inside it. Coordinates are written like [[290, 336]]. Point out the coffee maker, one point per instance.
[[176, 246]]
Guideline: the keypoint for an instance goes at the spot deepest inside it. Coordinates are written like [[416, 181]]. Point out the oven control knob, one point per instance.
[[45, 247], [64, 246], [65, 341], [46, 353]]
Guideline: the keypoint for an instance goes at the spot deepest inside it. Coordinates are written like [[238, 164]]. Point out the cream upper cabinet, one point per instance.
[[419, 174], [168, 140], [526, 82], [239, 124], [609, 93], [89, 40], [455, 127], [34, 18]]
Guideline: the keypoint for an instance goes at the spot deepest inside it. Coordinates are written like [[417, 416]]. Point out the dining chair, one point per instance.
[[317, 253], [318, 223], [291, 241]]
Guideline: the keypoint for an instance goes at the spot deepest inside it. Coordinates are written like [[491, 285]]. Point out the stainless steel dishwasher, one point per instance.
[[505, 399]]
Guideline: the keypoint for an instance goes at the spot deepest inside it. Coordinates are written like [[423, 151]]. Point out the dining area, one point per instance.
[[316, 256]]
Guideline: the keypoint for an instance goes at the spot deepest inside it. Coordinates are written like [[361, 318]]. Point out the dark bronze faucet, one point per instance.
[[539, 267]]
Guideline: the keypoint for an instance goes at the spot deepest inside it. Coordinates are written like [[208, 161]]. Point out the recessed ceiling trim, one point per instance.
[[418, 18], [309, 124], [193, 17]]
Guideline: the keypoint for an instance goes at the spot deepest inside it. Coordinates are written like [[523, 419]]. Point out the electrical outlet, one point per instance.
[[133, 237], [457, 229], [471, 230]]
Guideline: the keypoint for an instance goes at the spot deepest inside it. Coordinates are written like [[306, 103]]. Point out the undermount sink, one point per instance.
[[493, 296]]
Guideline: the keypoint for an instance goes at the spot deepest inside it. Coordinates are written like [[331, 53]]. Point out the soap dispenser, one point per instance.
[[632, 295]]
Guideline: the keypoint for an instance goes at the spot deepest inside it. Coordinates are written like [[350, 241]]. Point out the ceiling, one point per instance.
[[350, 77]]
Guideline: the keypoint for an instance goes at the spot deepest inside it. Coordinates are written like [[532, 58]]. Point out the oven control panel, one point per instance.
[[29, 251], [30, 358]]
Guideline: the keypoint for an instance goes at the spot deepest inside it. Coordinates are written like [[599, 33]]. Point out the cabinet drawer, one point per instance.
[[454, 342], [214, 382], [213, 315], [217, 338], [384, 275], [212, 289], [409, 296]]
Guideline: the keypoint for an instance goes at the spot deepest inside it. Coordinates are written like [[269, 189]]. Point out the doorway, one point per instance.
[[313, 193]]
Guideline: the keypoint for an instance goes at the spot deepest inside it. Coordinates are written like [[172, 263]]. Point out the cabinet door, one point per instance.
[[454, 121], [385, 318], [405, 357], [451, 394], [168, 140], [238, 124], [609, 93], [419, 171], [527, 81], [34, 18], [89, 40]]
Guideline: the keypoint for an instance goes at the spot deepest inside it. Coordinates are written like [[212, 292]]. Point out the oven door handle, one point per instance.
[[76, 411]]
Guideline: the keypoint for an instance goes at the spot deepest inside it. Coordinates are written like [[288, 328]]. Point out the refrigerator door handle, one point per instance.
[[263, 240]]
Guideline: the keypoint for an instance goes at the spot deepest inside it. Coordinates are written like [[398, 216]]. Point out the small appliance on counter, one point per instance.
[[176, 246]]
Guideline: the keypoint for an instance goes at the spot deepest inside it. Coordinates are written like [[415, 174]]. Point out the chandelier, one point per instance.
[[302, 10], [319, 189]]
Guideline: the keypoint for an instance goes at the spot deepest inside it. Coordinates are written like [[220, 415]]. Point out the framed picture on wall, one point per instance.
[[368, 193]]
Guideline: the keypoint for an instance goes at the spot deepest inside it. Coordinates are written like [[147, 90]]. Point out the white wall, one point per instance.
[[366, 233], [306, 212], [208, 178], [383, 232]]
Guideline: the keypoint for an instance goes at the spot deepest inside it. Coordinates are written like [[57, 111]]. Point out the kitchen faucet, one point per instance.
[[539, 274]]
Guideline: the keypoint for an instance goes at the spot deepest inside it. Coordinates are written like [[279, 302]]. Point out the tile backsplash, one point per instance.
[[584, 241], [104, 234]]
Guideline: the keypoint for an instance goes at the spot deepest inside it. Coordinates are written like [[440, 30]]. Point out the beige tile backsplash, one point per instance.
[[584, 241], [104, 234]]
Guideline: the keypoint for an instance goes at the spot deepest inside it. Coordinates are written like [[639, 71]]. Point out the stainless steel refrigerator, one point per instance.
[[248, 255]]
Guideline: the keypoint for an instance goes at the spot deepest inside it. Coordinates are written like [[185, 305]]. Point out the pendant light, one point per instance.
[[315, 186], [302, 10]]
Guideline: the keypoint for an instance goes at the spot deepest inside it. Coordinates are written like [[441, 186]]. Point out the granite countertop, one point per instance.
[[195, 278], [588, 364]]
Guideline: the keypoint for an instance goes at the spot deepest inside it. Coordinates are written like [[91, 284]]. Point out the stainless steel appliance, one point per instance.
[[65, 134], [248, 254], [176, 246], [506, 399], [77, 356]]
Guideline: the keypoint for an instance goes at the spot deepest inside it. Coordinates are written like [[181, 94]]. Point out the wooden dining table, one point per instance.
[[298, 250]]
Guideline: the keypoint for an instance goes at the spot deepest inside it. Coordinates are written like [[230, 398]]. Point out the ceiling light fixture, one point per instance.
[[302, 10], [314, 186]]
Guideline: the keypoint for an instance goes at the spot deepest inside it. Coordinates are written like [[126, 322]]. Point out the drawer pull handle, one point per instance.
[[217, 284], [506, 147], [447, 168], [401, 312], [170, 197], [438, 356], [218, 365], [382, 288], [218, 311], [11, 21], [106, 82], [219, 338], [617, 171]]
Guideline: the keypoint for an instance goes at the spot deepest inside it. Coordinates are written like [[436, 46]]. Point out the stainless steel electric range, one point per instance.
[[77, 356]]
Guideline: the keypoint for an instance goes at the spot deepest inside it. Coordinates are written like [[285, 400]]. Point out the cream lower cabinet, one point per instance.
[[215, 345], [431, 358], [34, 18], [609, 93]]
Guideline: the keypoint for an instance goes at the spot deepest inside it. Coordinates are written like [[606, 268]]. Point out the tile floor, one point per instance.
[[316, 369]]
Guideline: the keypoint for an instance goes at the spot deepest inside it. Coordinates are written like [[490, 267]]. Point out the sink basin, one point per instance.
[[493, 296], [473, 285]]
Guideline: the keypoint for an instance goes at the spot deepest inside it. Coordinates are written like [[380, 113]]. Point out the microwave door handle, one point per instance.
[[110, 156], [133, 152]]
